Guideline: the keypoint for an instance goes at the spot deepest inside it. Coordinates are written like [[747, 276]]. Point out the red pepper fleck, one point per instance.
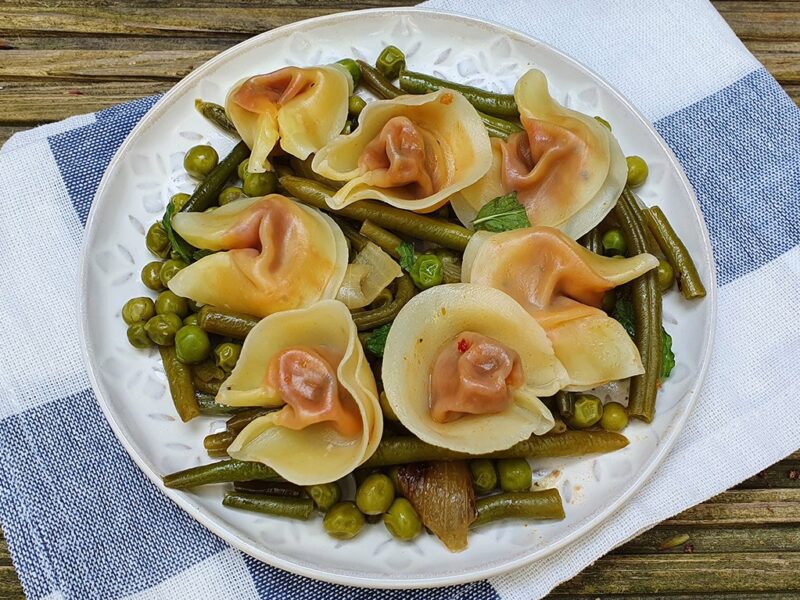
[[794, 475], [463, 345]]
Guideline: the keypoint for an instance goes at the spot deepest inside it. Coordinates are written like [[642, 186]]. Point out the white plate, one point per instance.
[[130, 384]]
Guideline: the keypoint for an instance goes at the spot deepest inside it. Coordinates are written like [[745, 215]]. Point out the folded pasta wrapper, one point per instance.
[[319, 452]]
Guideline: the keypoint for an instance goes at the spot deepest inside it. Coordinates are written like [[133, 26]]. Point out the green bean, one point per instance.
[[206, 194], [216, 114], [675, 251], [209, 407], [226, 322], [407, 449], [315, 194], [242, 419], [218, 442], [357, 241], [391, 61], [224, 471], [375, 317], [181, 387], [282, 170], [353, 69], [499, 105], [383, 88], [303, 169], [269, 488], [545, 504], [207, 387], [646, 299], [294, 508], [379, 236]]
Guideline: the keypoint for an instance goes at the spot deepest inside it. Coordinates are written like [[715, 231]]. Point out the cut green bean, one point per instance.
[[239, 421], [206, 194], [294, 508], [269, 488], [208, 406], [646, 299], [181, 387], [499, 105], [545, 504], [224, 471], [226, 322], [445, 234], [391, 61], [675, 251], [375, 317], [206, 387], [407, 449], [218, 442], [593, 241], [357, 241], [303, 169], [379, 236], [216, 114]]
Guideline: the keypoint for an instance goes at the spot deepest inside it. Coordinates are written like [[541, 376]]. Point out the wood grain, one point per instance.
[[64, 57]]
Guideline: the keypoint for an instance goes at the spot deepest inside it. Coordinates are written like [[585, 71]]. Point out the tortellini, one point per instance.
[[562, 284], [302, 107], [567, 168], [309, 362], [412, 152], [464, 367], [280, 255]]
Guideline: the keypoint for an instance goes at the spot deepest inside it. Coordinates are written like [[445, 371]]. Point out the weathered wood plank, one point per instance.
[[785, 474], [762, 20], [744, 507], [716, 539], [5, 133], [688, 573]]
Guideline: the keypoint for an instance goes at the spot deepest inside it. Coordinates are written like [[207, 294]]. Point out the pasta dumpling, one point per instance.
[[280, 255], [562, 284], [310, 363], [566, 168], [412, 152], [464, 367], [302, 107]]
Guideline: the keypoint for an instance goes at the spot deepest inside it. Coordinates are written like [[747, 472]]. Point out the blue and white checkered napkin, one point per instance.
[[83, 522]]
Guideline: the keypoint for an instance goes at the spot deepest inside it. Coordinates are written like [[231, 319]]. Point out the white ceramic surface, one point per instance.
[[130, 384]]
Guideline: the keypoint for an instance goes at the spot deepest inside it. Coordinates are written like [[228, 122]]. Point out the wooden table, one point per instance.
[[66, 57]]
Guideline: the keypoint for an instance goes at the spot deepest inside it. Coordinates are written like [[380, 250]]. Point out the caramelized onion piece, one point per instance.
[[305, 378], [473, 374], [442, 493]]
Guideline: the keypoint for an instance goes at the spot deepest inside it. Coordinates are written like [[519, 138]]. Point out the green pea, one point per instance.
[[666, 275], [259, 184], [170, 302], [192, 344], [386, 408], [170, 268], [515, 475], [227, 355], [615, 417], [229, 194], [353, 68], [137, 336], [402, 520], [375, 495], [178, 201], [637, 171], [588, 411], [484, 475], [163, 327], [355, 105], [427, 271], [199, 161], [614, 243], [603, 122], [157, 241], [151, 276], [138, 310], [242, 168], [192, 319], [343, 521], [325, 495], [391, 61]]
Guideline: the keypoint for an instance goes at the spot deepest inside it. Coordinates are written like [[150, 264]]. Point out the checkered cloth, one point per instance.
[[83, 522]]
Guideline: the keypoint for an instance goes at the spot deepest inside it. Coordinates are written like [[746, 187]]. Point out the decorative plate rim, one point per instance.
[[183, 500]]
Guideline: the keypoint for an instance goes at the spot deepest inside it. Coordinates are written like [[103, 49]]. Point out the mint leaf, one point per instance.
[[504, 213], [377, 339], [667, 355], [407, 258], [181, 246]]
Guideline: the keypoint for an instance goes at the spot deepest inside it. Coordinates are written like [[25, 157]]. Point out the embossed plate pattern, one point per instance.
[[130, 384]]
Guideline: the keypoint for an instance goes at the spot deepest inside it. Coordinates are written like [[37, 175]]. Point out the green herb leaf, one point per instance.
[[407, 258], [504, 213], [377, 339], [623, 312], [667, 355], [184, 249]]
